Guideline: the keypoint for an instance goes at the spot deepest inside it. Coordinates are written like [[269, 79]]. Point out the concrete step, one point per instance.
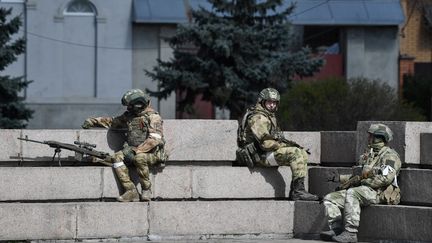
[[377, 222], [173, 182], [414, 183], [159, 220]]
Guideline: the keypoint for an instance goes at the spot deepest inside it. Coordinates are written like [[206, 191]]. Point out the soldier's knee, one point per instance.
[[142, 159]]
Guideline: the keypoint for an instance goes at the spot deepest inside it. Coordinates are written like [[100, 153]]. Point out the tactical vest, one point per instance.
[[244, 133], [138, 128]]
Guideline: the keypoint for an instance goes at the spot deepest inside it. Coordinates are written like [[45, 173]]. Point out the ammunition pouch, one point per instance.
[[161, 155], [391, 195], [248, 155]]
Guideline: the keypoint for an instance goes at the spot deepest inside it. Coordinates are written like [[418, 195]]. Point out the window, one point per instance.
[[80, 8]]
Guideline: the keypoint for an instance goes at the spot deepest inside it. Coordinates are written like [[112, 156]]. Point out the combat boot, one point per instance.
[[146, 195], [329, 234], [298, 191], [129, 196], [346, 237]]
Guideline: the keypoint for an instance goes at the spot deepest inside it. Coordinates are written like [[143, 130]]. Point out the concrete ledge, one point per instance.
[[174, 182], [62, 221], [308, 140], [406, 139], [414, 184], [378, 222], [187, 141], [221, 217], [69, 221], [338, 148]]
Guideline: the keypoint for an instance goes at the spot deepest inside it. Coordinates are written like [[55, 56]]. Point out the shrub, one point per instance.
[[418, 90], [337, 105]]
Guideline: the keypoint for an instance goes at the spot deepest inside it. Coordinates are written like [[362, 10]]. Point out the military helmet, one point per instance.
[[134, 96], [382, 130], [269, 94]]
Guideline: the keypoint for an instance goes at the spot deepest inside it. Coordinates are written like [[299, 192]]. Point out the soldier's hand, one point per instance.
[[333, 176], [87, 124], [129, 153]]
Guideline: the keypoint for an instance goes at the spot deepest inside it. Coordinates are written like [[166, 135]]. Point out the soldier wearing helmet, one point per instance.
[[261, 143], [144, 146], [376, 183]]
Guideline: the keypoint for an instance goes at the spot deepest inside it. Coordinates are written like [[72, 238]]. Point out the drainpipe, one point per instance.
[[96, 56]]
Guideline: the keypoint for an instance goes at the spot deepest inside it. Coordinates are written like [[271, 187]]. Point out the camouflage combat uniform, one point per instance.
[[260, 129], [382, 165], [144, 146]]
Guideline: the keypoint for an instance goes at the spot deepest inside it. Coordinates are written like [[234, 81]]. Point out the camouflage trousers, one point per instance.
[[294, 157], [142, 161], [348, 202]]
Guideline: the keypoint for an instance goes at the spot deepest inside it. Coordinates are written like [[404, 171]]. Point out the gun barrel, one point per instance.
[[31, 140]]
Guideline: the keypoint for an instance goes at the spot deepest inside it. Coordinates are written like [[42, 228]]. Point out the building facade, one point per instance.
[[82, 55]]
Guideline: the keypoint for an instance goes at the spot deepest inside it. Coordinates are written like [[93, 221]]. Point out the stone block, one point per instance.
[[240, 182], [221, 217], [50, 183], [309, 219], [11, 149], [378, 222], [338, 148], [111, 220], [412, 140], [308, 140], [415, 185], [406, 139], [173, 182], [396, 223], [425, 148], [39, 221], [201, 140], [111, 186], [42, 152]]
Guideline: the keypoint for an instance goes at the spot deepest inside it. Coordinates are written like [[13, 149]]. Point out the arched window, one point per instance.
[[80, 8]]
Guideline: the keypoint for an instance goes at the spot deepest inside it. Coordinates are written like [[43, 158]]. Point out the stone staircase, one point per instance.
[[200, 194]]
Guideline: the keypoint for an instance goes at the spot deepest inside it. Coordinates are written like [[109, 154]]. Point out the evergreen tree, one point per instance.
[[238, 48], [12, 109]]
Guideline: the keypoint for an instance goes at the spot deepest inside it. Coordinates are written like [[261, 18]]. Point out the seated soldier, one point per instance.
[[376, 183], [144, 146], [261, 143]]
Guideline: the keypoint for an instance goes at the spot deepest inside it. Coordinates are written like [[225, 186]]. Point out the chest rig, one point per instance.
[[138, 129]]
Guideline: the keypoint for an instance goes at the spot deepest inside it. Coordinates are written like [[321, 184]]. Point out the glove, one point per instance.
[[333, 176], [129, 154], [87, 124]]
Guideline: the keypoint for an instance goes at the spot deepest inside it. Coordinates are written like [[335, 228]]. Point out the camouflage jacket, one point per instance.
[[262, 129], [384, 166], [149, 122]]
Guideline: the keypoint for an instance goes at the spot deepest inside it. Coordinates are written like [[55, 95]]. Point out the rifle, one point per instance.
[[80, 149], [290, 143], [355, 179]]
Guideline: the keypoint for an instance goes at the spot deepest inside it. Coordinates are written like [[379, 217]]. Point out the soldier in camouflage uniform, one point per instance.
[[260, 138], [144, 146], [377, 184]]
